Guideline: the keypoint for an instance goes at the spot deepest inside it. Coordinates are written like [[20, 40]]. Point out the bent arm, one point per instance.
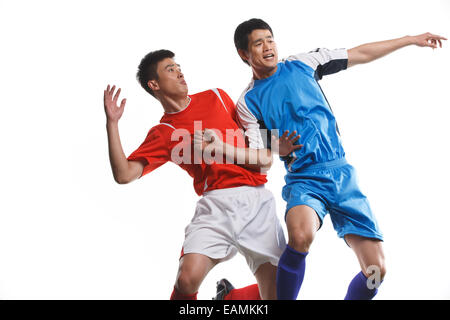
[[251, 158], [208, 142], [254, 159], [262, 158], [124, 171]]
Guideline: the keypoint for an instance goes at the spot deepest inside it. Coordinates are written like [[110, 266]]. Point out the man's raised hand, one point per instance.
[[113, 112]]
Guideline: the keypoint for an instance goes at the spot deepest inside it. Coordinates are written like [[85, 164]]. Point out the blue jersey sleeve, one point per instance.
[[323, 61]]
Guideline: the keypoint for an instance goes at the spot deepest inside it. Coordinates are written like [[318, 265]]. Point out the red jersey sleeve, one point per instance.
[[231, 107], [153, 152]]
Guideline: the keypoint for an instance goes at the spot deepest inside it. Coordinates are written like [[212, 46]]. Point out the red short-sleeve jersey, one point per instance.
[[167, 141]]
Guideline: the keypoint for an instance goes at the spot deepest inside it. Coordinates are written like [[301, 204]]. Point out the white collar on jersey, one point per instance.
[[187, 105]]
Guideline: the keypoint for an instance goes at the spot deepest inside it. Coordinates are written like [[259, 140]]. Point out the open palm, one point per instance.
[[285, 145], [113, 112]]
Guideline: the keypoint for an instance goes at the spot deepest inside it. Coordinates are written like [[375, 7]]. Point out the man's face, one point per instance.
[[262, 53], [170, 79]]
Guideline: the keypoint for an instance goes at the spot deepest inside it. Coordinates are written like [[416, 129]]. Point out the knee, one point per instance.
[[186, 283], [301, 240], [377, 270]]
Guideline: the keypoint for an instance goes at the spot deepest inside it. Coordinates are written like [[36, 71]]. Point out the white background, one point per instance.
[[68, 231]]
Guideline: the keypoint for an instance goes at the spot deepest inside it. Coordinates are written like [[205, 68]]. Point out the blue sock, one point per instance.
[[358, 290], [291, 269]]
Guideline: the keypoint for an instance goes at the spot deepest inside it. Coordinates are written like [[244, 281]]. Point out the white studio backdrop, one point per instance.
[[68, 231]]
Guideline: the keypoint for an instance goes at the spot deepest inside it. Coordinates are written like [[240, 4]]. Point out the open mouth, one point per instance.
[[269, 56]]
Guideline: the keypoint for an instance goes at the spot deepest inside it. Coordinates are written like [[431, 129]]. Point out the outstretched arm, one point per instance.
[[124, 171], [374, 50]]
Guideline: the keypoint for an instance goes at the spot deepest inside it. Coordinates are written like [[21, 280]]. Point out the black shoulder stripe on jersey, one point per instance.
[[330, 67], [265, 134]]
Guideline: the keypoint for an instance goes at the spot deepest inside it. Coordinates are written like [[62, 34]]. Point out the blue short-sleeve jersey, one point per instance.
[[291, 99]]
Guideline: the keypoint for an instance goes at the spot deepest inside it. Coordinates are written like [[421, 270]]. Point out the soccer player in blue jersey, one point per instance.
[[286, 96]]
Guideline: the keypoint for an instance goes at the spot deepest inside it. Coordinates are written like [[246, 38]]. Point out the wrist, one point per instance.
[[112, 123], [410, 40]]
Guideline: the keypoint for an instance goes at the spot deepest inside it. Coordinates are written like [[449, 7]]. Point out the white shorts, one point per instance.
[[236, 219]]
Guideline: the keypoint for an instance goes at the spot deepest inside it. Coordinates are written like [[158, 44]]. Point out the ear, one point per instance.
[[153, 84], [244, 55]]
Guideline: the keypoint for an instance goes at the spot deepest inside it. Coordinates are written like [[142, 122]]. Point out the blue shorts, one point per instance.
[[331, 187]]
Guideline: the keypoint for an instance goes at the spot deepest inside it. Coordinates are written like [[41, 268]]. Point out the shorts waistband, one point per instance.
[[325, 165], [234, 190]]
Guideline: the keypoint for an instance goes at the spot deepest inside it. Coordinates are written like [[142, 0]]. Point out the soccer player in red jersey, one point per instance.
[[236, 213]]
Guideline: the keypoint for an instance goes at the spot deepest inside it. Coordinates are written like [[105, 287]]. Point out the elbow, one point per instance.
[[266, 160], [265, 167], [121, 180], [269, 163]]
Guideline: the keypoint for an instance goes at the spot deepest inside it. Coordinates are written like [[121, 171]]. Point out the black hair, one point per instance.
[[147, 67], [245, 29]]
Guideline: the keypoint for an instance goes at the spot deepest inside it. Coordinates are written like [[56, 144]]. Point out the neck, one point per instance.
[[264, 73], [174, 104]]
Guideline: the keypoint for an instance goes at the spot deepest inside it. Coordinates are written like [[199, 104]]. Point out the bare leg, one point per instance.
[[192, 271], [369, 253], [302, 224], [266, 276], [364, 285]]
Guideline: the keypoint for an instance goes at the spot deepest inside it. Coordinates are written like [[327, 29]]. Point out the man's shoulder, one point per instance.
[[208, 93], [317, 57], [161, 130], [204, 98], [246, 91]]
